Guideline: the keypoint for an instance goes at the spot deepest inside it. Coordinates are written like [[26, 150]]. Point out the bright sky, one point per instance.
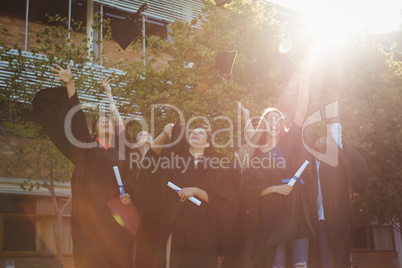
[[370, 16]]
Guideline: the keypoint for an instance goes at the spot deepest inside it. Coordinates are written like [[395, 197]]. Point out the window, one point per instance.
[[156, 27], [373, 238], [361, 240], [39, 8], [15, 204], [383, 238], [19, 234], [15, 8], [28, 226]]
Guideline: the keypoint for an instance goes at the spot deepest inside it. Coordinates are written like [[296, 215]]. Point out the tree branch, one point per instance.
[[8, 142], [70, 198]]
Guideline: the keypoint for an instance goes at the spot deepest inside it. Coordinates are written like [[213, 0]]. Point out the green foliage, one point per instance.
[[367, 82], [190, 81], [27, 76], [30, 72], [373, 124], [365, 79]]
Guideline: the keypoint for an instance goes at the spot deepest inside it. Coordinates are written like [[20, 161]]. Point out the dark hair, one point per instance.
[[95, 121], [207, 150], [259, 138], [207, 130]]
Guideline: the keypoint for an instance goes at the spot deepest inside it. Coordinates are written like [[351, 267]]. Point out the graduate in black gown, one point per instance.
[[238, 253], [283, 215], [143, 186], [99, 240], [193, 236], [147, 193], [336, 227]]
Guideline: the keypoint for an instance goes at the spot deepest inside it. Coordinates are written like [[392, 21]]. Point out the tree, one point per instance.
[[366, 80], [371, 101], [191, 82]]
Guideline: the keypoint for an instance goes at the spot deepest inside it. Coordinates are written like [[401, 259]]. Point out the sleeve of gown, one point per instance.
[[148, 191], [50, 107], [356, 168], [180, 142], [179, 148], [224, 204], [252, 182]]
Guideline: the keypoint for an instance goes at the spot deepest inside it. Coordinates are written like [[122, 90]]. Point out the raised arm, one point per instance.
[[302, 102], [52, 107], [160, 140], [248, 125], [67, 77], [113, 108]]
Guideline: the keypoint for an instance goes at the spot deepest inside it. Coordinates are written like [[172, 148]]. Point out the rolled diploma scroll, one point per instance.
[[118, 178], [298, 173], [192, 199]]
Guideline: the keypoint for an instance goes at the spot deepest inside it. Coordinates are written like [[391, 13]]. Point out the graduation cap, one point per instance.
[[220, 3], [224, 62], [125, 32]]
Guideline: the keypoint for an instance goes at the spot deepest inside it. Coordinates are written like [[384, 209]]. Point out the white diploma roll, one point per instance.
[[118, 178], [177, 189], [292, 182], [298, 173]]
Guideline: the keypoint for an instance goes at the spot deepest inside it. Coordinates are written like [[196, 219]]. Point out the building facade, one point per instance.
[[27, 216]]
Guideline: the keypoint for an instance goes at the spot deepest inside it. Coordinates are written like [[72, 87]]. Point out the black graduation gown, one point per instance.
[[240, 245], [145, 189], [350, 173], [199, 233], [278, 218], [98, 239]]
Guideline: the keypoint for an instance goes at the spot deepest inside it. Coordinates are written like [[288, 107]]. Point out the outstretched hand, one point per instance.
[[168, 129], [64, 75], [245, 112], [143, 141], [105, 82]]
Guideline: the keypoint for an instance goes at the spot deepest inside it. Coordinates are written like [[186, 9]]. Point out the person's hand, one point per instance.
[[144, 140], [141, 142], [125, 199], [168, 129], [245, 112], [283, 189], [105, 83], [186, 193], [64, 75]]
